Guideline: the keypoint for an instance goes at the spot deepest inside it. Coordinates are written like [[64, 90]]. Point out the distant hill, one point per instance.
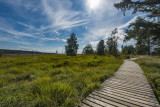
[[8, 51]]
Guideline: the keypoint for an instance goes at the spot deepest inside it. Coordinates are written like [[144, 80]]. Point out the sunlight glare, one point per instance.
[[93, 4]]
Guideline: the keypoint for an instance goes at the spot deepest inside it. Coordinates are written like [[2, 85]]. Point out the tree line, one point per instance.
[[110, 47]]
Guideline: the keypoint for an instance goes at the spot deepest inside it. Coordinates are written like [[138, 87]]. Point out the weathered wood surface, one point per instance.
[[127, 88]]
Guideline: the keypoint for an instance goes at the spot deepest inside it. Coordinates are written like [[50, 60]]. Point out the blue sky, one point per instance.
[[44, 25]]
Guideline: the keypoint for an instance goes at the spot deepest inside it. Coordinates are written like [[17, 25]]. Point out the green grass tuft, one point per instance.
[[52, 80]]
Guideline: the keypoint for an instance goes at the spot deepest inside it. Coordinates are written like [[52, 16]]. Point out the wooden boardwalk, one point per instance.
[[127, 88]]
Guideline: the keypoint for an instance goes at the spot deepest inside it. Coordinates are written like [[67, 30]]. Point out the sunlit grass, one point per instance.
[[151, 68], [52, 80]]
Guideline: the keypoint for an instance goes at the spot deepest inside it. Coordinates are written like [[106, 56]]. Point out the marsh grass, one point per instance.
[[151, 68], [52, 80]]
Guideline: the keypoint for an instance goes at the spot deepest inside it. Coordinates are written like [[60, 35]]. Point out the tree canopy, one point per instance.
[[112, 43], [100, 47], [144, 30], [88, 49], [127, 50], [152, 7], [72, 47]]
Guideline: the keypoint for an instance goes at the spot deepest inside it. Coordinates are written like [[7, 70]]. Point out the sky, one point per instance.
[[44, 25]]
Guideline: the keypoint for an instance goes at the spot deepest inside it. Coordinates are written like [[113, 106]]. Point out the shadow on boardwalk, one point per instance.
[[128, 87]]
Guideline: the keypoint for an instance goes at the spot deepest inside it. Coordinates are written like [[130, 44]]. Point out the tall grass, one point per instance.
[[52, 80], [151, 68]]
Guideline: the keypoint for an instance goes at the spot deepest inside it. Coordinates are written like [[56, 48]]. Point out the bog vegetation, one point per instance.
[[151, 68], [57, 80]]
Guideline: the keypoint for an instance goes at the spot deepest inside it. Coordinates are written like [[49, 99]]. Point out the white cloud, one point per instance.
[[26, 25], [8, 39], [16, 33], [127, 24], [26, 4], [103, 18], [121, 32], [97, 33], [52, 39], [60, 14], [57, 33], [8, 33], [94, 44]]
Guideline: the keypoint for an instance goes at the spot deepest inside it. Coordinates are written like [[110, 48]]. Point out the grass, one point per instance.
[[52, 80], [151, 68]]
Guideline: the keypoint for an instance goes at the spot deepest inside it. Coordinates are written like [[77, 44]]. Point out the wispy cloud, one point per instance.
[[104, 18], [26, 4], [52, 39], [8, 39], [61, 16], [121, 32], [17, 33], [104, 33], [26, 25]]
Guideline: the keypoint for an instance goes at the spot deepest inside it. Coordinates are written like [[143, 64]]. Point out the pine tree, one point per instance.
[[100, 47], [72, 47]]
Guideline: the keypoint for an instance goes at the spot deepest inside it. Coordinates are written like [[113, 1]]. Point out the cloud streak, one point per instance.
[[61, 16]]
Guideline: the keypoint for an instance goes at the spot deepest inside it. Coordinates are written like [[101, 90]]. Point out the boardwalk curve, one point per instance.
[[127, 88]]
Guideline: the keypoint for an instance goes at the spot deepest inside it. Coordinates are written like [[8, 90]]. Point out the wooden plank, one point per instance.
[[123, 99], [141, 97], [91, 104], [131, 98], [114, 80], [83, 105], [143, 92], [107, 101], [115, 100], [131, 86], [99, 102], [134, 91]]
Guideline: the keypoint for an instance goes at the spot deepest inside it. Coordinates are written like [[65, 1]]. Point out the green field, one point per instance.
[[57, 80], [151, 68]]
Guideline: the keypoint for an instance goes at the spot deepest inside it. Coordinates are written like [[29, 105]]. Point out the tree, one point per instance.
[[72, 47], [100, 47], [127, 50], [88, 49], [56, 52], [148, 28], [112, 43], [141, 31]]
